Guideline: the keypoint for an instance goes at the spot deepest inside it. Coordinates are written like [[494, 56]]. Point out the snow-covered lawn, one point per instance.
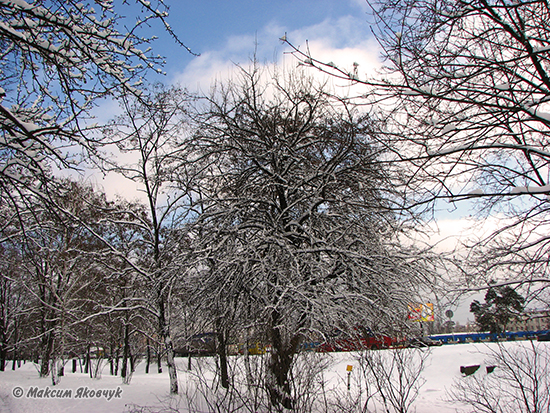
[[443, 367]]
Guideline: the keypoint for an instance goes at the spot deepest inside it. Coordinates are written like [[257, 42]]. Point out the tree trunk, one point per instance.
[[171, 364], [15, 341], [221, 349], [159, 360], [164, 329], [125, 352], [53, 370], [112, 361], [47, 348], [132, 360], [61, 353], [3, 343], [89, 362], [282, 356], [2, 356], [249, 377], [117, 360], [148, 357], [3, 324]]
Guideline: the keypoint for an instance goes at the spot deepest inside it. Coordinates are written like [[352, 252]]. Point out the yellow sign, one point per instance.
[[421, 312], [349, 368]]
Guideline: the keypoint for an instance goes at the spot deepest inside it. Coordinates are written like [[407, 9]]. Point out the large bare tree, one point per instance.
[[296, 222]]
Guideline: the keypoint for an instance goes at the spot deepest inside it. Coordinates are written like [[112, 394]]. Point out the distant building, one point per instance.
[[465, 328], [531, 320]]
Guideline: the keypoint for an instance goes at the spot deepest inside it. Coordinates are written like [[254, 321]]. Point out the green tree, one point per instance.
[[501, 305]]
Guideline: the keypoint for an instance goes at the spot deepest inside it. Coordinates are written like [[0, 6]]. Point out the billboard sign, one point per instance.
[[421, 312]]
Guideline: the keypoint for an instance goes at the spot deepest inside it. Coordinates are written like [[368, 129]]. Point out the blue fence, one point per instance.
[[485, 337]]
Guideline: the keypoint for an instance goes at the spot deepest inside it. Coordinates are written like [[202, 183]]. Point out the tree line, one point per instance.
[[263, 216]]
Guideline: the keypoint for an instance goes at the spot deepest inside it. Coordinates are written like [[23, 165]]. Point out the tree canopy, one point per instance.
[[463, 97], [296, 219], [501, 305]]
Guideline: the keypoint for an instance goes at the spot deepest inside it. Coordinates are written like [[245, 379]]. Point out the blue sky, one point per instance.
[[206, 25], [225, 33]]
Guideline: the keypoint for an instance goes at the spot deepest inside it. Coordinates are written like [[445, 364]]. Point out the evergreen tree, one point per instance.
[[501, 305]]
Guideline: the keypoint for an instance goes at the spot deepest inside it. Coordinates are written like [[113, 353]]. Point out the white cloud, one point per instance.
[[203, 72], [362, 4], [343, 41]]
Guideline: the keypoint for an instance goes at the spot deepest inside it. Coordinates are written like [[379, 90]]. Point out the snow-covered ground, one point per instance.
[[442, 369]]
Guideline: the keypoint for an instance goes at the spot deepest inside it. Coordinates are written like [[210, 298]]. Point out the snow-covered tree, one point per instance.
[[59, 58], [147, 133], [296, 230], [56, 262], [119, 317], [465, 90], [70, 271], [473, 84]]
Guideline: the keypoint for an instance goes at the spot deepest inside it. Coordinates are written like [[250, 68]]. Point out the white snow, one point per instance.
[[476, 192], [530, 189], [442, 369], [449, 128], [503, 86], [542, 115], [19, 3], [29, 127], [410, 92], [535, 112]]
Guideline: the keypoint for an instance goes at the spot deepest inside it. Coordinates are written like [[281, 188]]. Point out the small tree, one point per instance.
[[396, 376], [501, 305]]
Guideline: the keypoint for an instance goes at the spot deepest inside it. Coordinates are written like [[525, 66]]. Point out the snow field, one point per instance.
[[150, 391]]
